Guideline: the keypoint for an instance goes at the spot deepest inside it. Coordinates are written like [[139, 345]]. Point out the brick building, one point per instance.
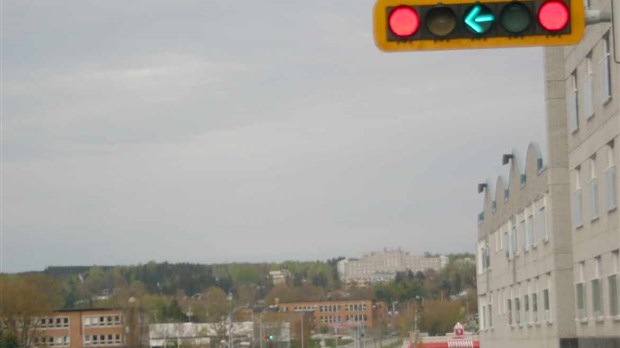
[[78, 328], [346, 313]]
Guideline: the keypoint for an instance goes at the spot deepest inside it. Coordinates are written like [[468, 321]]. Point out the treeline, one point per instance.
[[181, 292], [82, 286], [458, 276]]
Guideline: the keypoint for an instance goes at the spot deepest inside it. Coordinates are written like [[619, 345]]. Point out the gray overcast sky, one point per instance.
[[219, 131]]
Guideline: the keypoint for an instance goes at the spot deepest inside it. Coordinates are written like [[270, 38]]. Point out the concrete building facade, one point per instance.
[[524, 256], [549, 238], [591, 82]]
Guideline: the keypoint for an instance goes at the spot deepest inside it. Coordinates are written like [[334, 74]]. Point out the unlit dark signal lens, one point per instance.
[[403, 21], [554, 15], [515, 18], [440, 21]]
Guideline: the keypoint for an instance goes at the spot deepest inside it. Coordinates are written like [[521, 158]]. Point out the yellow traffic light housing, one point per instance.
[[406, 25]]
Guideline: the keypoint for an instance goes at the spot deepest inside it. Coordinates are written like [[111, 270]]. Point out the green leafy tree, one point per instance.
[[439, 317], [23, 300]]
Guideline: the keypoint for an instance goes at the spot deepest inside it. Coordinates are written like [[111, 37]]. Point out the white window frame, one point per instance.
[[513, 242], [523, 235], [611, 185], [506, 237], [581, 302], [572, 109], [547, 300], [605, 69], [527, 305], [588, 89], [535, 306], [597, 308], [593, 208], [531, 232], [577, 204], [541, 224], [613, 279]]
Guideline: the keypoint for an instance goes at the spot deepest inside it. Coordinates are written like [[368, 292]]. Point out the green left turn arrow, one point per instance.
[[479, 19]]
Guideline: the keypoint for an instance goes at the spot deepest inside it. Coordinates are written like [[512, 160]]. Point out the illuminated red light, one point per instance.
[[404, 21], [553, 15]]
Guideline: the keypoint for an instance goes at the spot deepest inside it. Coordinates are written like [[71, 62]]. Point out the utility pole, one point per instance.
[[302, 329]]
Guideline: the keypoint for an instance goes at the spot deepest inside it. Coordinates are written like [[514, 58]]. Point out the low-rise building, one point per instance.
[[105, 327], [345, 313]]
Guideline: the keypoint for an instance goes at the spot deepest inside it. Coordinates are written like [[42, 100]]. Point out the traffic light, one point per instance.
[[405, 25]]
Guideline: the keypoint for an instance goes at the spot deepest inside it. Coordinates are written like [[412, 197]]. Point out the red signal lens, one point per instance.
[[553, 15], [404, 21]]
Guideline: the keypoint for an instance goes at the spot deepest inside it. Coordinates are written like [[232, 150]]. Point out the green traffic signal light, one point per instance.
[[479, 19], [401, 25]]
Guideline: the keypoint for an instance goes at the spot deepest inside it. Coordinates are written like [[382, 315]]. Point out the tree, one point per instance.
[[247, 294], [439, 317], [218, 308], [7, 340], [23, 301]]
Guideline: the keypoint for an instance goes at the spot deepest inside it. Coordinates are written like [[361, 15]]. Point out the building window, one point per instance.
[[577, 217], [509, 311], [513, 241], [531, 236], [613, 283], [517, 311], [490, 315], [605, 72], [547, 300], [572, 108], [541, 222], [588, 109], [523, 235], [610, 179], [593, 190], [507, 244], [526, 309], [580, 293], [535, 306], [597, 290]]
